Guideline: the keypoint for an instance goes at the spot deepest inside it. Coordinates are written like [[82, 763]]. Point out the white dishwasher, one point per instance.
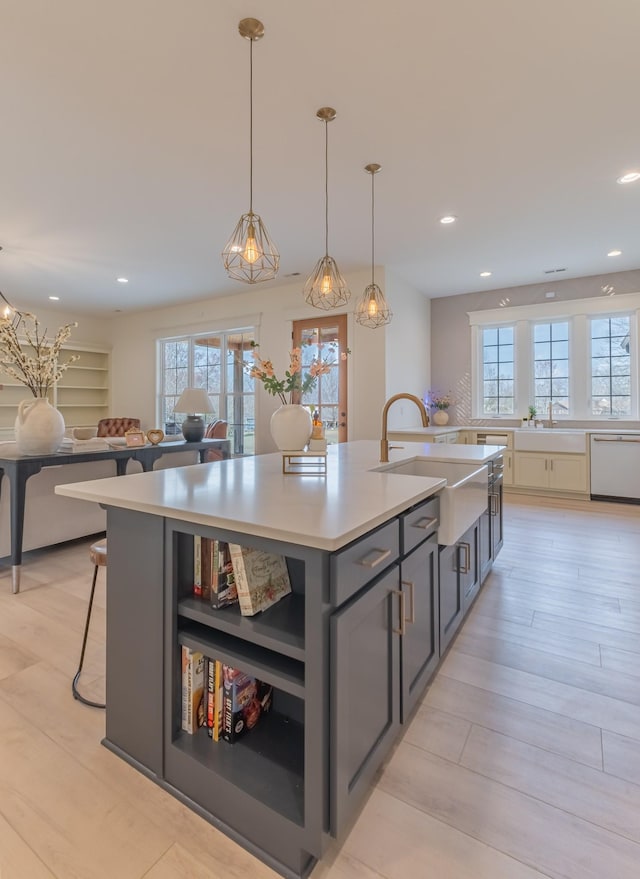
[[615, 467]]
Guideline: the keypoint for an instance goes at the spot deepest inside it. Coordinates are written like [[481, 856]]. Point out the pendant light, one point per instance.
[[325, 287], [250, 255], [372, 309]]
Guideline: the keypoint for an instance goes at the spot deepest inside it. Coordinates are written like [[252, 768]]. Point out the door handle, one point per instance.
[[425, 523], [400, 594], [412, 599], [466, 564]]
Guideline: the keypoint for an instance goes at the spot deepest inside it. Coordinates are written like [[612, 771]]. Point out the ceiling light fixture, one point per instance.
[[10, 312], [373, 310], [608, 290], [122, 280], [629, 177], [249, 254], [55, 298], [448, 219], [614, 253], [485, 274], [325, 287]]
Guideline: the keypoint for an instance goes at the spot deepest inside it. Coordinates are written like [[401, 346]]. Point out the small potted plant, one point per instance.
[[532, 414], [440, 404]]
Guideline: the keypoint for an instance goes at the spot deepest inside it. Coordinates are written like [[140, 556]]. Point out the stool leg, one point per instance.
[[74, 685]]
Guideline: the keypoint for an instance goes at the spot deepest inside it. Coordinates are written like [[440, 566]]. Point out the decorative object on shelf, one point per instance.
[[250, 255], [325, 287], [31, 358], [134, 438], [373, 309], [195, 402], [290, 427], [533, 413], [39, 427], [155, 436], [440, 404]]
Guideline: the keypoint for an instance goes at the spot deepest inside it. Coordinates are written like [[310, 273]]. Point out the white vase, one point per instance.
[[39, 427], [441, 417], [291, 427]]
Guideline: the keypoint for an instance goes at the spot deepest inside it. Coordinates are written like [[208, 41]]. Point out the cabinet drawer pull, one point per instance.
[[374, 558], [412, 599], [466, 564], [400, 594], [425, 523]]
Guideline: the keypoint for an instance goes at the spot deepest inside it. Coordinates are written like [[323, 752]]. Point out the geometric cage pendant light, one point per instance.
[[325, 287], [250, 255], [373, 309]]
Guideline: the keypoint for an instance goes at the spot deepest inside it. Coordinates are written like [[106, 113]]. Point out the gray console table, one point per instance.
[[19, 468]]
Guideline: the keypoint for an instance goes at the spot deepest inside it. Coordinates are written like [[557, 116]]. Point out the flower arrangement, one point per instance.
[[436, 400], [33, 362], [294, 381]]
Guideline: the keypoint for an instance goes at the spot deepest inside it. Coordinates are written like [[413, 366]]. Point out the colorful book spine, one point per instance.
[[210, 676], [192, 690], [261, 578], [223, 585], [206, 552], [217, 716]]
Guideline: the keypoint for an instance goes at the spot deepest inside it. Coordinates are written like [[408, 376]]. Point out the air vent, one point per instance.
[[553, 271]]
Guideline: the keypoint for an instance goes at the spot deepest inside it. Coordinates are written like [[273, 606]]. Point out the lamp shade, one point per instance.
[[194, 401]]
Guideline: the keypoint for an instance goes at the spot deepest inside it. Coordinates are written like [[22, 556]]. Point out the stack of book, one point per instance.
[[221, 698], [227, 573]]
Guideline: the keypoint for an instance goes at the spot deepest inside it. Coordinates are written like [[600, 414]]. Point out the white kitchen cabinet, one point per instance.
[[555, 472]]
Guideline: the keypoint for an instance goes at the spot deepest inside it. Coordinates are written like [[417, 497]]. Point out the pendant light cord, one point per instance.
[[326, 188], [372, 230], [250, 126]]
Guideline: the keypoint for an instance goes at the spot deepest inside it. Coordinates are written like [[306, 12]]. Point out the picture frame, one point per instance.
[[134, 438]]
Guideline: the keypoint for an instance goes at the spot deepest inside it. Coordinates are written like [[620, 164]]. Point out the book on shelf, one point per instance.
[[197, 566], [217, 716], [210, 694], [262, 578], [193, 714], [244, 700], [223, 584]]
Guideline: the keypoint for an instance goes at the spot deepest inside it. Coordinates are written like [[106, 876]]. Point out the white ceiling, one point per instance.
[[124, 147]]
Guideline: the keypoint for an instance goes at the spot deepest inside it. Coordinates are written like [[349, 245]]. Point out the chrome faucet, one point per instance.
[[384, 442]]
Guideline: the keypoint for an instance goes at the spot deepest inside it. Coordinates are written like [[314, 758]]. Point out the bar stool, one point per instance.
[[98, 555]]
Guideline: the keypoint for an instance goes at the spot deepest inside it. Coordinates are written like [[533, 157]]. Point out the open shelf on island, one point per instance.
[[280, 627]]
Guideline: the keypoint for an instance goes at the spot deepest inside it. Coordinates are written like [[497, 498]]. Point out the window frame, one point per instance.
[[224, 397], [577, 313]]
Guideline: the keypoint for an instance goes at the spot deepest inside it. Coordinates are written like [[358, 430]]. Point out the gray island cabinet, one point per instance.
[[348, 653]]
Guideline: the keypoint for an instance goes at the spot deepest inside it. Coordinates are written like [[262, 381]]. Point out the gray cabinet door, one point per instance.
[[365, 692], [485, 548], [451, 595], [419, 647], [469, 564], [497, 534]]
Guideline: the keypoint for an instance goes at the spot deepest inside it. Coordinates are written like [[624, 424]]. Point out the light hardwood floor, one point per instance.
[[522, 762]]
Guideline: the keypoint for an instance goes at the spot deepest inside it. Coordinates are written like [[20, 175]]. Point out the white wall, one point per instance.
[[408, 348], [272, 309]]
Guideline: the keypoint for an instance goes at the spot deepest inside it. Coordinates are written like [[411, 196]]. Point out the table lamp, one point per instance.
[[193, 401]]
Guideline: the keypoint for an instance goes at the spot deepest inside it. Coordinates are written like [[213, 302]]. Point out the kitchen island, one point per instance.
[[348, 653]]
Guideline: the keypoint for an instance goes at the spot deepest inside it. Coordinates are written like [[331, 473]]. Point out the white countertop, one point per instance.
[[496, 430], [252, 496]]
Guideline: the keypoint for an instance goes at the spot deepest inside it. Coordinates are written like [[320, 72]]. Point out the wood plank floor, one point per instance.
[[522, 762]]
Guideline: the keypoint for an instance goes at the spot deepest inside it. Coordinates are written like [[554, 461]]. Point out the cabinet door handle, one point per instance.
[[466, 564], [412, 599], [546, 463], [551, 464], [400, 594], [425, 523], [374, 558]]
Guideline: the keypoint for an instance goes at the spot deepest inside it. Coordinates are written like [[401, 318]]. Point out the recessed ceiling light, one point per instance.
[[614, 253], [122, 280], [629, 177], [485, 274], [55, 298], [448, 219]]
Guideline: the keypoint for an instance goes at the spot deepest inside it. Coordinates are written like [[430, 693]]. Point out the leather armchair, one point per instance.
[[216, 430], [117, 426]]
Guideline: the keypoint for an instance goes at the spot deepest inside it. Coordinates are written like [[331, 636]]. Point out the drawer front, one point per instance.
[[361, 561], [417, 524]]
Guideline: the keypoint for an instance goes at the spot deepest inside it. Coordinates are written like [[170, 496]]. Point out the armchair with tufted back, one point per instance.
[[117, 426], [216, 430]]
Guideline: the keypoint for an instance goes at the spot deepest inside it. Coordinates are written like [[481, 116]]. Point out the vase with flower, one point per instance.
[[291, 424], [440, 404], [31, 358]]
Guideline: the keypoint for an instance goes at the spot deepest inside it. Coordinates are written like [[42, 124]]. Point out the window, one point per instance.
[[214, 362], [580, 356], [551, 367], [611, 366], [497, 371]]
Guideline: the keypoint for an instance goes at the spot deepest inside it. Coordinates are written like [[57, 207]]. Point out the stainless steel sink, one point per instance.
[[462, 500]]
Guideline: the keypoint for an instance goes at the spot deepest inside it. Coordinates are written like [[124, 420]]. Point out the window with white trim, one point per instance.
[[215, 362], [580, 356]]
